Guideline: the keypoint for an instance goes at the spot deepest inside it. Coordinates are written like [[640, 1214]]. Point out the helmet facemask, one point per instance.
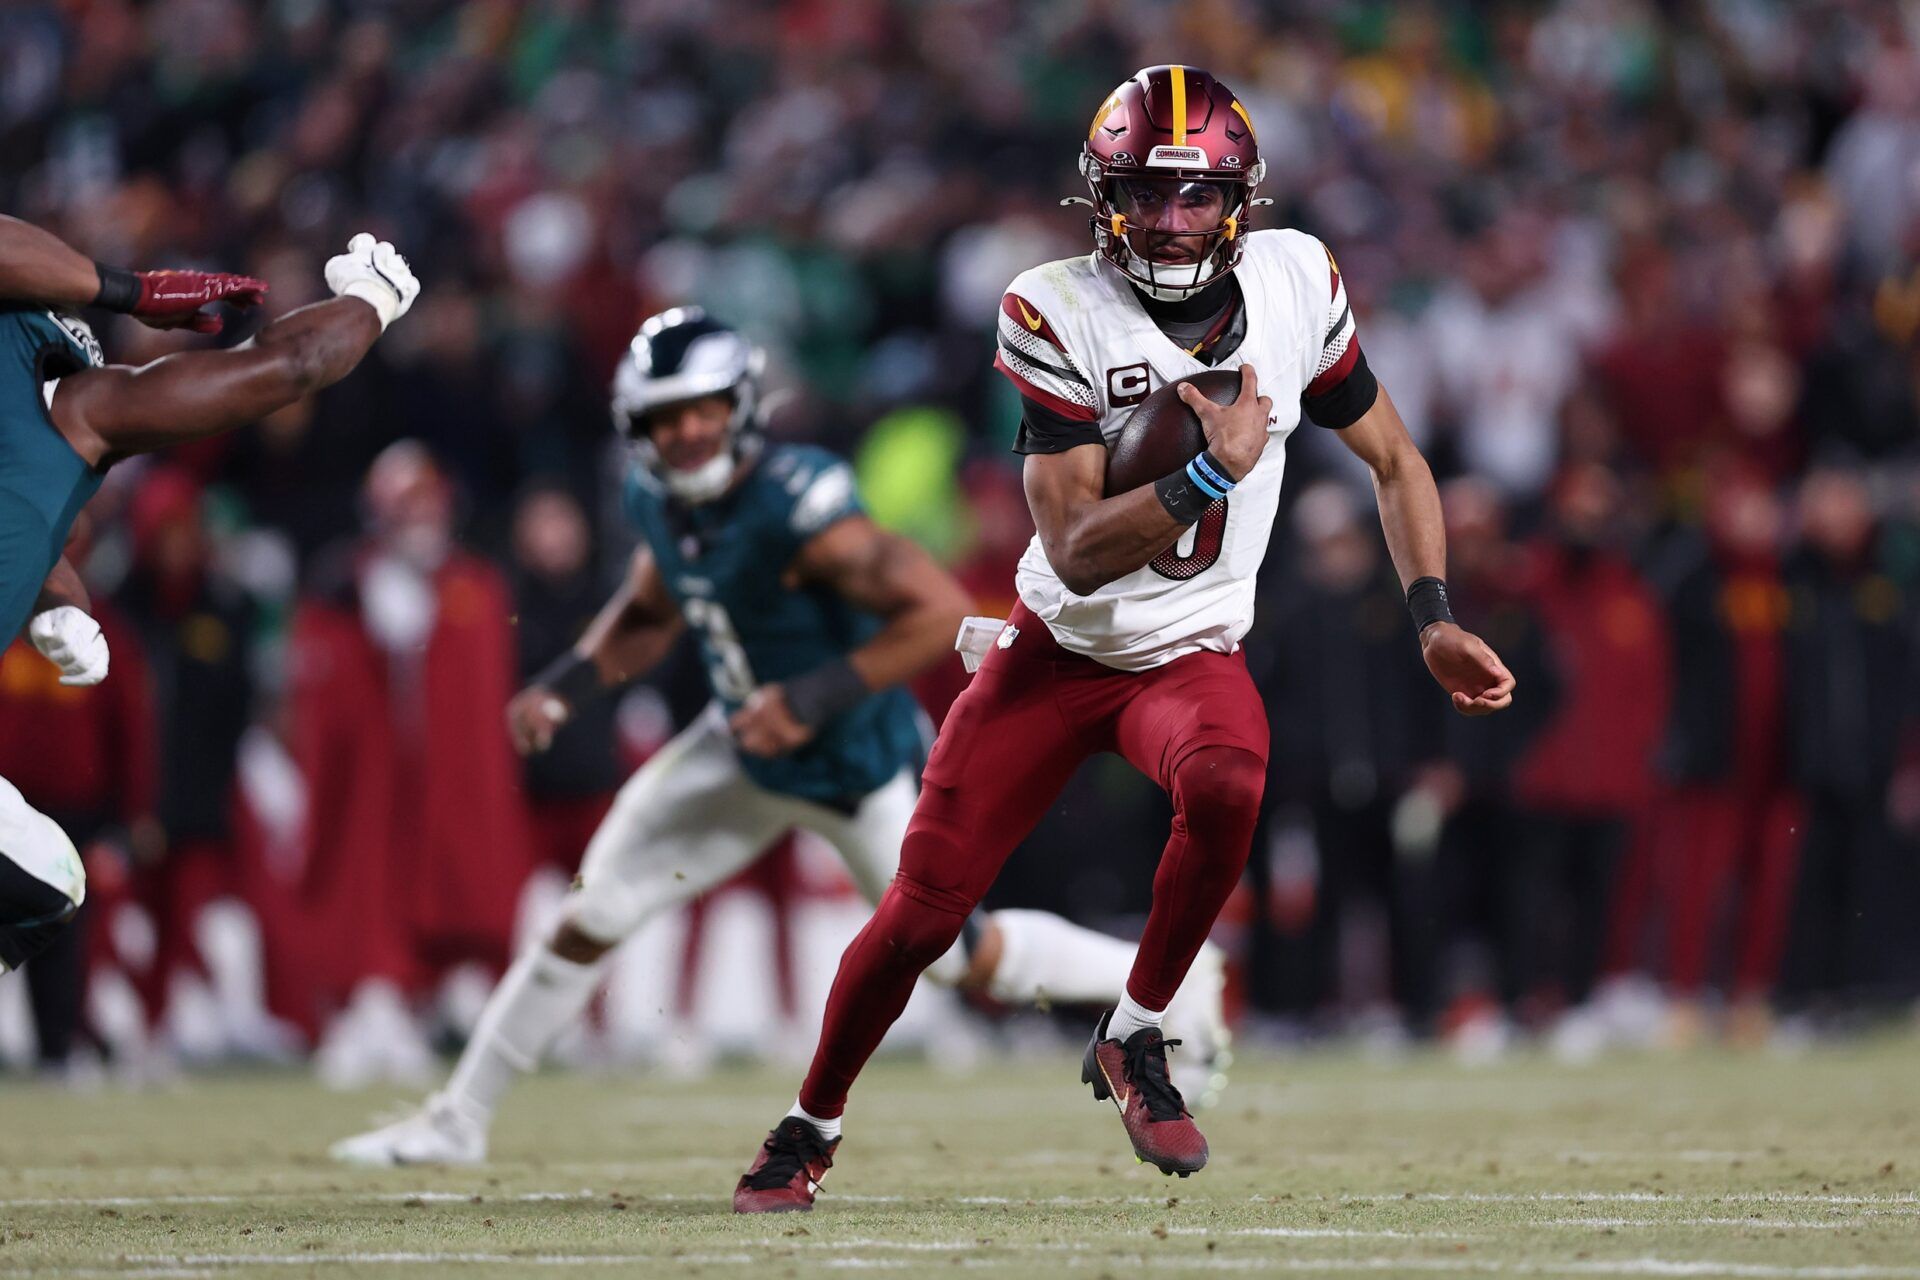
[[1142, 218]]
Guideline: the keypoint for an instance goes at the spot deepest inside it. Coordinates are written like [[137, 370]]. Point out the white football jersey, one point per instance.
[[1074, 337]]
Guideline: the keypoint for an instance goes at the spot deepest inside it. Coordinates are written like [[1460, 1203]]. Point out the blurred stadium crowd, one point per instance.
[[1641, 277]]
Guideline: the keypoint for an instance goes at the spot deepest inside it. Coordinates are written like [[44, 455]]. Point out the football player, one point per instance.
[[1126, 637], [810, 619], [66, 416]]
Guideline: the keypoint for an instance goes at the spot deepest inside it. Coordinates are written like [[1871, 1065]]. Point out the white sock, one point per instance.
[[1130, 1016], [1045, 958], [539, 997], [829, 1129]]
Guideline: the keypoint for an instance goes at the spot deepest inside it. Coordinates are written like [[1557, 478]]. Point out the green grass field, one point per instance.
[[1712, 1165]]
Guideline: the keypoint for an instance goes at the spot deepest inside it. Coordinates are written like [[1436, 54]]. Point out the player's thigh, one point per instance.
[[1002, 756], [1202, 700], [686, 821], [869, 839]]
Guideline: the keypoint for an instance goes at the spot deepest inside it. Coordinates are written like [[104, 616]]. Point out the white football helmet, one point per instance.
[[679, 355]]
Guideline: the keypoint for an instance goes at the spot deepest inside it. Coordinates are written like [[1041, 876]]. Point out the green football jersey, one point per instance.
[[43, 482], [723, 562]]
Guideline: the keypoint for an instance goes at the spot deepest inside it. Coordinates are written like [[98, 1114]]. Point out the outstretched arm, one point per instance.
[[38, 266], [631, 634], [1466, 667], [107, 414]]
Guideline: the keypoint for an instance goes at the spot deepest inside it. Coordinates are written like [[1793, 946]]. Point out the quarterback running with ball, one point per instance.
[[810, 618], [1127, 634], [66, 416]]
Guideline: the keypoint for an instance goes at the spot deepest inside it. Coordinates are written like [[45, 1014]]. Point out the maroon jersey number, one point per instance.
[[1208, 535]]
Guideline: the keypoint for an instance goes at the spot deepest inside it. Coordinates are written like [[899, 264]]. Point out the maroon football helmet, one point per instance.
[[1172, 163]]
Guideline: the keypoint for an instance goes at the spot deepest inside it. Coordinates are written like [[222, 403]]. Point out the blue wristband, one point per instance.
[[1210, 472], [1201, 482]]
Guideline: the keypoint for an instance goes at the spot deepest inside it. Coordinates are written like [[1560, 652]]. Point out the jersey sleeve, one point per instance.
[[1037, 362], [1342, 388], [1043, 430]]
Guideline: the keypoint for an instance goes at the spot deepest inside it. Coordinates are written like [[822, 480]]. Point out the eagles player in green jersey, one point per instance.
[[810, 618], [66, 416]]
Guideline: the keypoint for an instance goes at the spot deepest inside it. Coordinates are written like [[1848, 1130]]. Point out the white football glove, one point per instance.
[[374, 272], [71, 640]]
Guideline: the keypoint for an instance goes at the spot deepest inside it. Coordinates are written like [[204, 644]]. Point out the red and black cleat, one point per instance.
[[789, 1169], [1134, 1076]]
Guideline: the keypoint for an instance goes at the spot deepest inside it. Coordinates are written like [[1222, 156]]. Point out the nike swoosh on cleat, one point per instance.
[[1119, 1098]]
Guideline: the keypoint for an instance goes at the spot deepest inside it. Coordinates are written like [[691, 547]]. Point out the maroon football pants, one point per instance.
[[1032, 713]]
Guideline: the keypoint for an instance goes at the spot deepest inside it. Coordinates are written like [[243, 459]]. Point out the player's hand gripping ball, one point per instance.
[[374, 272], [71, 640], [1166, 431]]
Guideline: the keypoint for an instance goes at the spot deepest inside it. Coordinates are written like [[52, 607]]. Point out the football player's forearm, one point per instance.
[[1109, 539], [38, 266], [194, 394], [1411, 518], [910, 643], [63, 586], [630, 652]]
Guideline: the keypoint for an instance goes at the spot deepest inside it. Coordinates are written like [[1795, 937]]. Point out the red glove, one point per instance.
[[172, 299]]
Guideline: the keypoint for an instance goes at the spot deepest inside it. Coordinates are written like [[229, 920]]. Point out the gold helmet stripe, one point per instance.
[[1106, 109], [1246, 120], [1179, 106]]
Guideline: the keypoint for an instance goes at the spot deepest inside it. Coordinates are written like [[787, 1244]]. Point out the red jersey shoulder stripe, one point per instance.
[[1028, 316], [1065, 408]]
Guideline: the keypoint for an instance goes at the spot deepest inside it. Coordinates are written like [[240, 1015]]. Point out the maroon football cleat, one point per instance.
[[1134, 1076], [789, 1169]]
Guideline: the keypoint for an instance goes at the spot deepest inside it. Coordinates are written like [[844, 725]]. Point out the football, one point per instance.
[[1163, 434]]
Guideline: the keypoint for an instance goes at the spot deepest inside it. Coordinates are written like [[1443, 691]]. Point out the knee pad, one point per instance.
[[919, 923], [1215, 784]]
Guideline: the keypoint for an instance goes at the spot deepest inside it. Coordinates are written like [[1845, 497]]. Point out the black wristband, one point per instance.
[[1184, 500], [817, 696], [573, 677], [1427, 601], [119, 288]]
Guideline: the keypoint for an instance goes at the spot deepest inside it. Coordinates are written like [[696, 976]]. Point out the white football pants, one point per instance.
[[690, 818]]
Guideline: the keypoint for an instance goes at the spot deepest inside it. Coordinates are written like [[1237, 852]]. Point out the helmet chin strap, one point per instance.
[[1168, 282], [703, 483]]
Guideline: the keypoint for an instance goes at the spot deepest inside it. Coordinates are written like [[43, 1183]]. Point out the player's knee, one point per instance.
[[1220, 786], [573, 944], [916, 924]]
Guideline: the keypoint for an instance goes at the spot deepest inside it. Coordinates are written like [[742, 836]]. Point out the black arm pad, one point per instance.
[[573, 677], [819, 695], [1345, 404]]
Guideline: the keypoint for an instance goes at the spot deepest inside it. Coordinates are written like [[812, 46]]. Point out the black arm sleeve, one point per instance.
[[1044, 431], [1346, 402]]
